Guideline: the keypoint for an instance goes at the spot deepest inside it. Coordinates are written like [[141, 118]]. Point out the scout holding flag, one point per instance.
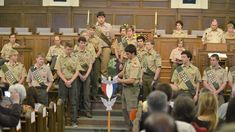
[[187, 77]]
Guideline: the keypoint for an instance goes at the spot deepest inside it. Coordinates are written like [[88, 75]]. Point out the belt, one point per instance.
[[39, 87]]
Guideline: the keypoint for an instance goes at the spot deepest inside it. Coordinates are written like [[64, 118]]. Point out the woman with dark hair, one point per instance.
[[230, 115], [184, 109], [178, 32]]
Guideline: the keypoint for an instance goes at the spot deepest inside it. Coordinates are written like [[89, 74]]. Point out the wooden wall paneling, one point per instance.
[[206, 21], [217, 4], [34, 20], [25, 56], [231, 5], [10, 19], [4, 40], [79, 21], [124, 19], [32, 2], [164, 46], [166, 22], [93, 3], [145, 21], [42, 44], [70, 39], [155, 4], [13, 2], [123, 4], [190, 22], [59, 20]]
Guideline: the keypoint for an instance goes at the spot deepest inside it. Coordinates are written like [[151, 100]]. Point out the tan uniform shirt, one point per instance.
[[229, 35], [220, 75], [84, 58], [179, 34], [106, 29], [132, 40], [140, 53], [89, 48], [6, 50], [193, 74], [231, 74], [132, 69], [54, 51], [216, 36], [96, 43], [151, 60], [17, 69], [176, 54], [45, 74], [68, 65]]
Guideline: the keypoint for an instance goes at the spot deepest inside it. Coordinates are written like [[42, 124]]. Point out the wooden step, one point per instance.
[[101, 120], [96, 128]]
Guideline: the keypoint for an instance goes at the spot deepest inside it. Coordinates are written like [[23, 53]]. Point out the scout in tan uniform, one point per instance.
[[213, 34], [141, 49], [187, 77], [95, 73], [68, 68], [103, 31], [120, 43], [85, 59], [151, 65], [7, 47], [215, 78], [54, 51], [179, 32], [89, 47], [230, 34], [40, 77], [175, 56], [130, 36], [13, 72], [231, 77], [131, 75]]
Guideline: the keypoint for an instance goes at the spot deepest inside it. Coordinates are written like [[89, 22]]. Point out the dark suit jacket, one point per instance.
[[9, 117]]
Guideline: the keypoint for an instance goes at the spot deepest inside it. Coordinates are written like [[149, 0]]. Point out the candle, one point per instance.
[[226, 68], [155, 18], [88, 17]]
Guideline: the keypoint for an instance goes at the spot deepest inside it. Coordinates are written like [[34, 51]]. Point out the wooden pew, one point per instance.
[[41, 119], [28, 122], [60, 118], [52, 117]]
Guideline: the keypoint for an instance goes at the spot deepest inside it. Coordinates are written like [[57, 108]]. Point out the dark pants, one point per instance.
[[42, 95], [95, 75], [66, 93], [85, 87]]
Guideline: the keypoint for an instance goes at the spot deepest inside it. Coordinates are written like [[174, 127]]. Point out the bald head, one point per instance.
[[214, 24]]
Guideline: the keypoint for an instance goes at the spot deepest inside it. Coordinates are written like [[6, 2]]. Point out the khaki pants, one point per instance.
[[105, 57], [147, 84], [129, 101]]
